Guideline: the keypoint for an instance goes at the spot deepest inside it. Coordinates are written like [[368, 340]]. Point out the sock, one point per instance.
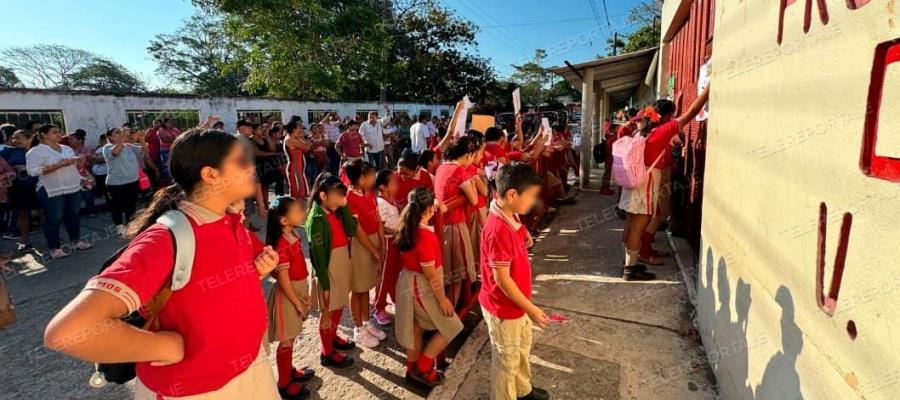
[[325, 336], [410, 364], [335, 321], [425, 363], [631, 257], [284, 361], [647, 243]]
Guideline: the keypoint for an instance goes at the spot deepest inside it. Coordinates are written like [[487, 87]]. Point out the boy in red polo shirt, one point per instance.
[[506, 283]]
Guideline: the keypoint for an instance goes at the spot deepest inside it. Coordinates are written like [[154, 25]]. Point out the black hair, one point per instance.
[[30, 124], [426, 158], [125, 125], [102, 137], [80, 134], [632, 113], [36, 139], [419, 200], [516, 176], [383, 178], [477, 138], [324, 183], [277, 208], [357, 169], [409, 160], [493, 134], [291, 126], [191, 152], [664, 107], [243, 122], [460, 148], [352, 122]]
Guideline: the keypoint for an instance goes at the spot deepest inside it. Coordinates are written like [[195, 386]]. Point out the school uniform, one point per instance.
[[644, 199], [329, 253], [459, 262], [477, 215], [504, 244], [364, 208], [393, 263], [284, 321], [416, 302], [221, 312]]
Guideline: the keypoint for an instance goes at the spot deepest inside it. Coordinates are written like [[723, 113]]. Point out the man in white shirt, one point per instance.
[[373, 133], [332, 124], [418, 135]]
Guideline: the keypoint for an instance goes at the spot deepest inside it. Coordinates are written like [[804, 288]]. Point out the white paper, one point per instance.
[[702, 83], [459, 128], [545, 124], [517, 101]]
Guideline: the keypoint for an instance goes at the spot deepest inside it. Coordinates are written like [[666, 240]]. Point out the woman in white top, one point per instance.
[[58, 188]]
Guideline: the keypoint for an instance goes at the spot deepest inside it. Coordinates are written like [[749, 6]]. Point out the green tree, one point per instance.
[[613, 45], [48, 66], [105, 75], [200, 57], [8, 78], [532, 79], [647, 17]]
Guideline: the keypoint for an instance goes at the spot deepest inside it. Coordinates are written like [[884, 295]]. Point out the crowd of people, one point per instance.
[[429, 219]]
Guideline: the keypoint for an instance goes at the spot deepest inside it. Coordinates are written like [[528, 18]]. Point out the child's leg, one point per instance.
[[284, 359], [633, 242], [356, 308], [325, 336], [412, 355], [435, 346], [523, 377]]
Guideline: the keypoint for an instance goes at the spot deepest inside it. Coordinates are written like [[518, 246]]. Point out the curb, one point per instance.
[[686, 275], [462, 364]]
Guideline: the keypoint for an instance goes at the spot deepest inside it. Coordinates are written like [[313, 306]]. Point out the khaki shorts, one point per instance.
[[511, 341], [365, 267], [284, 321], [459, 263], [339, 274], [643, 199], [476, 224], [427, 315]]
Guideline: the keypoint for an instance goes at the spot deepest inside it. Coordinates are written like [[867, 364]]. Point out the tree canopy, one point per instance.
[[53, 66], [8, 78]]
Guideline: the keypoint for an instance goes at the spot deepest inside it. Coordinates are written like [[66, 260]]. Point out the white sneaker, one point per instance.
[[82, 245], [58, 253], [362, 337], [375, 332]]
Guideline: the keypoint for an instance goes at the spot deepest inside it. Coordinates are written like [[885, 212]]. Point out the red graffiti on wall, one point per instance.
[[870, 162], [822, 5], [829, 303]]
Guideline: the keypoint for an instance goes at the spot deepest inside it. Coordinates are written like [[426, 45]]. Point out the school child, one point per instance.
[[327, 223], [365, 250], [478, 213], [289, 298], [386, 182], [411, 176], [506, 279], [659, 126], [210, 338], [454, 189], [422, 303]]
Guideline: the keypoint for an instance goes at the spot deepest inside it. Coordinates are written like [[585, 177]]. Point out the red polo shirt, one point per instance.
[[290, 257], [448, 183], [472, 170], [221, 312], [364, 206], [658, 142], [503, 244], [350, 142], [338, 236], [427, 251], [422, 179], [496, 151]]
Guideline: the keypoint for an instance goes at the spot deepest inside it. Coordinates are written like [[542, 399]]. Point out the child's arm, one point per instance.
[[509, 288], [364, 240], [470, 192], [282, 276], [481, 185], [436, 282]]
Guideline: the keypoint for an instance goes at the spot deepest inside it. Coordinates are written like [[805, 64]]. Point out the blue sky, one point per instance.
[[510, 29]]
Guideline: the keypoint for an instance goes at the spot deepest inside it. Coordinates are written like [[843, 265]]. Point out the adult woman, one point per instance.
[[122, 175], [295, 146], [58, 188], [166, 135], [318, 142], [23, 192], [266, 165]]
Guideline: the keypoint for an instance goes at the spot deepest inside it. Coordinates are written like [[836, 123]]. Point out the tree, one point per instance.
[[613, 44], [561, 89], [199, 56], [532, 79], [647, 17], [105, 75], [8, 78], [47, 65]]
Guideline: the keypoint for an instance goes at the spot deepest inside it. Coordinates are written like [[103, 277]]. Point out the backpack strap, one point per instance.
[[650, 170], [185, 246]]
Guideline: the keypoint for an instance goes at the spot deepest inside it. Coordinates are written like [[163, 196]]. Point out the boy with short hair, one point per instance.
[[506, 284]]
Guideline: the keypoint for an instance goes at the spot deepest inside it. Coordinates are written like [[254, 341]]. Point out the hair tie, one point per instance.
[[651, 114]]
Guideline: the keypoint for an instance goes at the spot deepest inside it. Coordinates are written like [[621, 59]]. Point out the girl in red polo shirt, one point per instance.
[[454, 188], [422, 304], [209, 342], [478, 212], [289, 298], [386, 183], [411, 177], [365, 250]]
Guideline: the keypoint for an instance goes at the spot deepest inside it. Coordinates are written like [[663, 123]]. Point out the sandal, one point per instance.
[[428, 378], [293, 391], [303, 374]]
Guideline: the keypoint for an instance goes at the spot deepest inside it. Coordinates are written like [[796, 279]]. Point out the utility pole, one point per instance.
[[615, 42]]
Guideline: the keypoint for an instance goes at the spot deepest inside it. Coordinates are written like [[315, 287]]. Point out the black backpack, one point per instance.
[[599, 152]]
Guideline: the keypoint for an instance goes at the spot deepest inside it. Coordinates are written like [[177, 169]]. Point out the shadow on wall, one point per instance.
[[728, 344]]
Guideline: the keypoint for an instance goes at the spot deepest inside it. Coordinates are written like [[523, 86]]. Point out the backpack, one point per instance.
[[628, 167], [599, 152], [185, 247]]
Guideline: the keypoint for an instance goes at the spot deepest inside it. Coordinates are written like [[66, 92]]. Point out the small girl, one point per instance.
[[365, 249], [386, 182], [289, 298], [327, 223], [422, 304]]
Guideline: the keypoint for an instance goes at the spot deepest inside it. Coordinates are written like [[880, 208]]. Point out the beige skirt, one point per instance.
[[459, 263], [426, 312], [284, 321], [476, 223], [339, 275], [256, 383], [365, 267], [643, 199]]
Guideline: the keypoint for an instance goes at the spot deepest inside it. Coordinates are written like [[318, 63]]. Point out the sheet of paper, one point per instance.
[[480, 123], [702, 83], [459, 126], [517, 101], [545, 127]]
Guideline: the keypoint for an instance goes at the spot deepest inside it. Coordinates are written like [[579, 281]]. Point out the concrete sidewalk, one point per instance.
[[624, 340]]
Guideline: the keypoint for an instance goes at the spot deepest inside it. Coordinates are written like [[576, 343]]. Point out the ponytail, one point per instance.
[[411, 216], [163, 200], [324, 183]]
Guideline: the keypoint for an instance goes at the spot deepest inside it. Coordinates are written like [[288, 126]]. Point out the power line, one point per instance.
[[594, 11], [606, 13], [542, 22]]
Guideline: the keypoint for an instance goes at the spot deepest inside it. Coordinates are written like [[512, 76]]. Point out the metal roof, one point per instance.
[[619, 75]]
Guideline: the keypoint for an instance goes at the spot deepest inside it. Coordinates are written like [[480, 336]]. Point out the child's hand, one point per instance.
[[447, 307], [538, 317], [172, 348], [302, 309], [266, 261]]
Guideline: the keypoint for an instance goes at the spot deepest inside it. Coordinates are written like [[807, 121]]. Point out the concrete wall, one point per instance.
[[95, 113], [783, 180]]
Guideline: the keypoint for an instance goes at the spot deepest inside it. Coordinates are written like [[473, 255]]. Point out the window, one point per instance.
[[364, 114], [20, 117], [315, 116], [258, 116], [183, 119]]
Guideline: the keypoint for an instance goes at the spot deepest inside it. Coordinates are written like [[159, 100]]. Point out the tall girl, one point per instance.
[[327, 223], [454, 189], [289, 298], [422, 304], [478, 213], [295, 146], [209, 344], [386, 183], [660, 126], [365, 249]]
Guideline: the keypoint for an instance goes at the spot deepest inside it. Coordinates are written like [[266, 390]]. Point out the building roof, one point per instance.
[[619, 75]]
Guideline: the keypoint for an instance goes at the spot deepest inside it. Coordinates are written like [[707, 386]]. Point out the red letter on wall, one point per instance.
[[807, 16], [872, 164]]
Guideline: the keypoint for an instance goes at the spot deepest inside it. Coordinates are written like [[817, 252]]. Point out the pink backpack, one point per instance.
[[628, 167]]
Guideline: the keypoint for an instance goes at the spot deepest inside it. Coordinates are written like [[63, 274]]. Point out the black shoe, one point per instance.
[[305, 375], [349, 345], [328, 361], [437, 377], [286, 394], [620, 213], [536, 394], [633, 274], [639, 267]]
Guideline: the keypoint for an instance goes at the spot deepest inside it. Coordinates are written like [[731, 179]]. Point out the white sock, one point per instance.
[[631, 257]]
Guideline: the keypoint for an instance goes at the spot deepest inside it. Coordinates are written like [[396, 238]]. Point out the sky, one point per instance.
[[510, 30]]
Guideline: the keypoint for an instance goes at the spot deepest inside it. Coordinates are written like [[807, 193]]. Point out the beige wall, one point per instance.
[[785, 136]]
